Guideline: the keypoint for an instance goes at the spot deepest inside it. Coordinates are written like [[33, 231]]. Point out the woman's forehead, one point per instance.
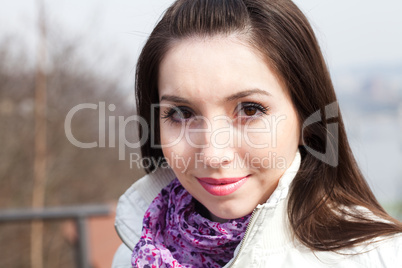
[[219, 66]]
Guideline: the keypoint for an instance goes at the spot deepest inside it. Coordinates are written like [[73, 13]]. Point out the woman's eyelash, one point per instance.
[[168, 114], [183, 113], [254, 105]]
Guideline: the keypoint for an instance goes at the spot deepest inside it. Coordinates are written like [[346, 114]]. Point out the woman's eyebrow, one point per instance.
[[246, 93], [175, 99], [236, 96]]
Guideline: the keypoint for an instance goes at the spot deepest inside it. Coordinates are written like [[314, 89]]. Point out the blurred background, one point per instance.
[[55, 55]]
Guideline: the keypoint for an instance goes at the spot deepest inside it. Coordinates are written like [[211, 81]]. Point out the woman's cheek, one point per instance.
[[176, 151], [170, 133], [257, 136]]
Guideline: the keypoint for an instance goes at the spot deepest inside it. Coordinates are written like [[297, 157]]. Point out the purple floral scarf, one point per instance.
[[175, 235]]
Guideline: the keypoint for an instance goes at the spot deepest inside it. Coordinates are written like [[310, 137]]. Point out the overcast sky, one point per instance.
[[351, 32]]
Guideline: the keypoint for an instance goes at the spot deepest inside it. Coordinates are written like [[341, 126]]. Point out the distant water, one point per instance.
[[376, 142]]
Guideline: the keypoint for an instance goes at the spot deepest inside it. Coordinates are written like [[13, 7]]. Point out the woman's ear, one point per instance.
[[301, 141]]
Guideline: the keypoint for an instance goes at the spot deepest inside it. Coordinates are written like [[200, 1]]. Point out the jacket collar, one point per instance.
[[135, 201], [282, 190]]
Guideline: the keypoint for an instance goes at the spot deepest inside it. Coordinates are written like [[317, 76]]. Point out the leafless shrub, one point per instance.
[[74, 175]]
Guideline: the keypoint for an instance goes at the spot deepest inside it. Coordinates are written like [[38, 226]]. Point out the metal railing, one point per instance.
[[78, 213]]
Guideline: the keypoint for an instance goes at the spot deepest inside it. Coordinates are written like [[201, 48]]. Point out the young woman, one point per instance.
[[257, 170]]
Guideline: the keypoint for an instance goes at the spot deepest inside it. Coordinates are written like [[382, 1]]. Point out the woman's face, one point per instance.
[[228, 128]]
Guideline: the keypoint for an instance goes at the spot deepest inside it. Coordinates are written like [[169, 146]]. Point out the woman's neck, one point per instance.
[[203, 211]]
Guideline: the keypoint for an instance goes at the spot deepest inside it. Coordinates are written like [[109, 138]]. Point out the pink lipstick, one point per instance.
[[223, 186]]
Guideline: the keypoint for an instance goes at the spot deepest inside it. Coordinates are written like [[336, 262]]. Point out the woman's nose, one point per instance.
[[216, 142]]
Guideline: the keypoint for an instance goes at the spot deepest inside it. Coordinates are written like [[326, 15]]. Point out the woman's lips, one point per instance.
[[223, 186]]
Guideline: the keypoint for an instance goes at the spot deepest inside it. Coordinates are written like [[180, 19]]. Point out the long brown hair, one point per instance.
[[326, 201]]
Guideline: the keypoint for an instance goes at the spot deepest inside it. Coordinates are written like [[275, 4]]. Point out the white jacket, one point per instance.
[[267, 242]]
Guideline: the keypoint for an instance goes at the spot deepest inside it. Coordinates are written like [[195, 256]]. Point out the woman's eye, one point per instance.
[[252, 109], [177, 114]]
